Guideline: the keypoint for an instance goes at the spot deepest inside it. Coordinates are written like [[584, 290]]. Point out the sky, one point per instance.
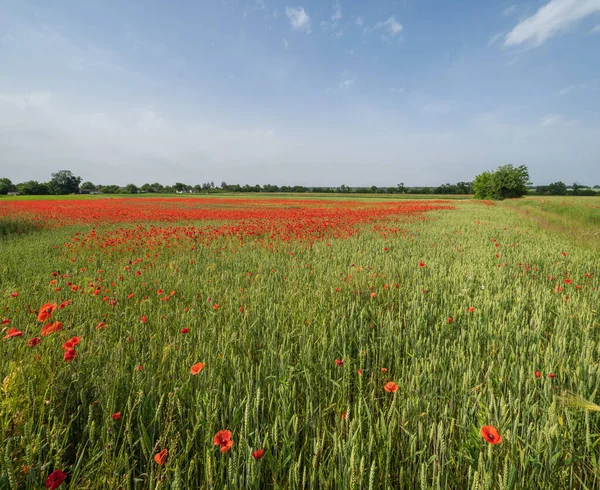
[[306, 92]]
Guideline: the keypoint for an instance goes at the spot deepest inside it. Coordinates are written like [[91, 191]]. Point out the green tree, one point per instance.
[[482, 185], [557, 189], [6, 186], [88, 187], [131, 189], [505, 182], [64, 182], [33, 188]]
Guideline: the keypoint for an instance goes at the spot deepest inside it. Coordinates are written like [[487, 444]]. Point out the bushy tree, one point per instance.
[[506, 181], [88, 187], [33, 188], [131, 189], [557, 189], [64, 182], [6, 186]]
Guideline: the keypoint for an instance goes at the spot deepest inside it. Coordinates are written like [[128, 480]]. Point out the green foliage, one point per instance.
[[131, 189], [6, 186], [503, 183], [33, 188], [64, 182], [88, 187]]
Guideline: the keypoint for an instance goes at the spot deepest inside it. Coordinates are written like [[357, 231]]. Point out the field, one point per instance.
[[361, 343]]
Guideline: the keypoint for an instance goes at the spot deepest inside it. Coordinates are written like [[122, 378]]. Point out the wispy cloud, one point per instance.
[[494, 39], [23, 101], [347, 83], [550, 120], [565, 91], [595, 29], [508, 11], [550, 20], [285, 43], [391, 26], [360, 21], [348, 80], [299, 19], [337, 12], [332, 25]]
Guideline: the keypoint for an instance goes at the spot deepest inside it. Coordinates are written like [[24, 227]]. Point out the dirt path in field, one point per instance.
[[576, 233]]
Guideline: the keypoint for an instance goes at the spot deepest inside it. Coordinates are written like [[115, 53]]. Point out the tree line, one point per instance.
[[505, 182], [65, 182]]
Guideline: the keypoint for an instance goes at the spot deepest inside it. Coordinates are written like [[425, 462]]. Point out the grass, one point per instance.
[[11, 226], [286, 312], [576, 217]]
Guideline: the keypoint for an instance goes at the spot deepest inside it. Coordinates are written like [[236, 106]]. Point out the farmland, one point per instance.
[[359, 343]]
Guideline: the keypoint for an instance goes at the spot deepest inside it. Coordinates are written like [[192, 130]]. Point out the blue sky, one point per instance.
[[309, 92]]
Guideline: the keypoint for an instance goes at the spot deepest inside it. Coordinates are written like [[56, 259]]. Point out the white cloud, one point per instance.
[[39, 136], [550, 120], [494, 39], [23, 101], [509, 10], [565, 91], [595, 29], [285, 43], [347, 83], [397, 90], [360, 21], [337, 12], [299, 19], [331, 26], [551, 19], [391, 25]]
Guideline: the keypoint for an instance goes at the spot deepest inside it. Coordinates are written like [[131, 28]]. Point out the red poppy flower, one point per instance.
[[422, 264], [196, 368], [471, 309], [138, 368], [144, 319], [384, 370], [13, 332], [344, 415], [538, 374], [360, 372], [390, 387], [34, 341], [55, 479], [259, 453], [46, 312], [223, 439], [70, 354], [339, 362], [216, 306], [450, 319], [100, 326], [490, 434], [116, 416], [14, 295], [552, 375], [184, 330], [72, 342], [51, 327], [161, 457], [5, 321]]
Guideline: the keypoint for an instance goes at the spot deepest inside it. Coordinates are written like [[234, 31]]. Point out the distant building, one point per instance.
[[12, 194]]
